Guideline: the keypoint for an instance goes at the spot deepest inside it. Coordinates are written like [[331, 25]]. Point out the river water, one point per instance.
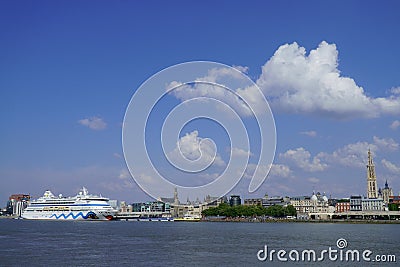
[[120, 243]]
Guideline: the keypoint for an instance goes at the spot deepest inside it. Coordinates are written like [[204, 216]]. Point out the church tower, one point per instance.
[[176, 199], [386, 193], [372, 188]]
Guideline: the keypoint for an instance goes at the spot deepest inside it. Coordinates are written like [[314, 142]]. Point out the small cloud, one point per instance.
[[209, 177], [395, 90], [313, 180], [395, 125], [117, 155], [309, 133], [273, 170], [147, 179], [280, 170], [124, 174], [241, 68], [94, 123], [240, 152]]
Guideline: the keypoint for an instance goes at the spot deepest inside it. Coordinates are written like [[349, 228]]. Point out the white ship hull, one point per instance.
[[81, 207], [70, 215]]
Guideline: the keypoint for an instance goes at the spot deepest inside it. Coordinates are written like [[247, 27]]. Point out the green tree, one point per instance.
[[290, 211], [249, 211]]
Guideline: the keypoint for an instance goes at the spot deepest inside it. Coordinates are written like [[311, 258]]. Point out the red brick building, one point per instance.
[[342, 207]]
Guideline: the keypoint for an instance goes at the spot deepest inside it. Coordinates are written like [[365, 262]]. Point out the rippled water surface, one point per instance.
[[119, 243]]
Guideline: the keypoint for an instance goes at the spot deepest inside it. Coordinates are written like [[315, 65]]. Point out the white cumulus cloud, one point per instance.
[[386, 144], [302, 159], [280, 170], [296, 82], [94, 123], [243, 101], [390, 166], [350, 155], [276, 170], [355, 154], [192, 147]]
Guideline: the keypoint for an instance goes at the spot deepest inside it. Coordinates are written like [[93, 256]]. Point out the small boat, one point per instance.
[[188, 218]]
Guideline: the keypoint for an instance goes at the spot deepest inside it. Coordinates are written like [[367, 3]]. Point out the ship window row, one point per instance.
[[60, 208], [54, 202]]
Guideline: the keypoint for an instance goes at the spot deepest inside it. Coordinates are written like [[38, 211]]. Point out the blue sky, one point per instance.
[[69, 69]]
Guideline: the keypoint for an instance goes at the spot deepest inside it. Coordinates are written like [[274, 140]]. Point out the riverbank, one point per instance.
[[261, 220], [8, 217], [257, 220]]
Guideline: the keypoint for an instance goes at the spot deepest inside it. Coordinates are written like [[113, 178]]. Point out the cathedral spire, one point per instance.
[[372, 188], [176, 199]]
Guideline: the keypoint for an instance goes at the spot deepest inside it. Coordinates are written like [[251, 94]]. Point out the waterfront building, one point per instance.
[[356, 203], [137, 206], [307, 204], [370, 204], [332, 201], [17, 203], [372, 188], [394, 200], [235, 200], [125, 208], [315, 206], [210, 201], [147, 211], [342, 205], [114, 204], [320, 206], [272, 201], [394, 203], [303, 205], [253, 201], [175, 205], [190, 208], [267, 201], [151, 207]]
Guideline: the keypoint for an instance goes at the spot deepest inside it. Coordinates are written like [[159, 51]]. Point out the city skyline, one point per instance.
[[366, 194], [329, 73]]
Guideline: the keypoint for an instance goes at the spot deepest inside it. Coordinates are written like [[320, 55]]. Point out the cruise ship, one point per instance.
[[83, 206]]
